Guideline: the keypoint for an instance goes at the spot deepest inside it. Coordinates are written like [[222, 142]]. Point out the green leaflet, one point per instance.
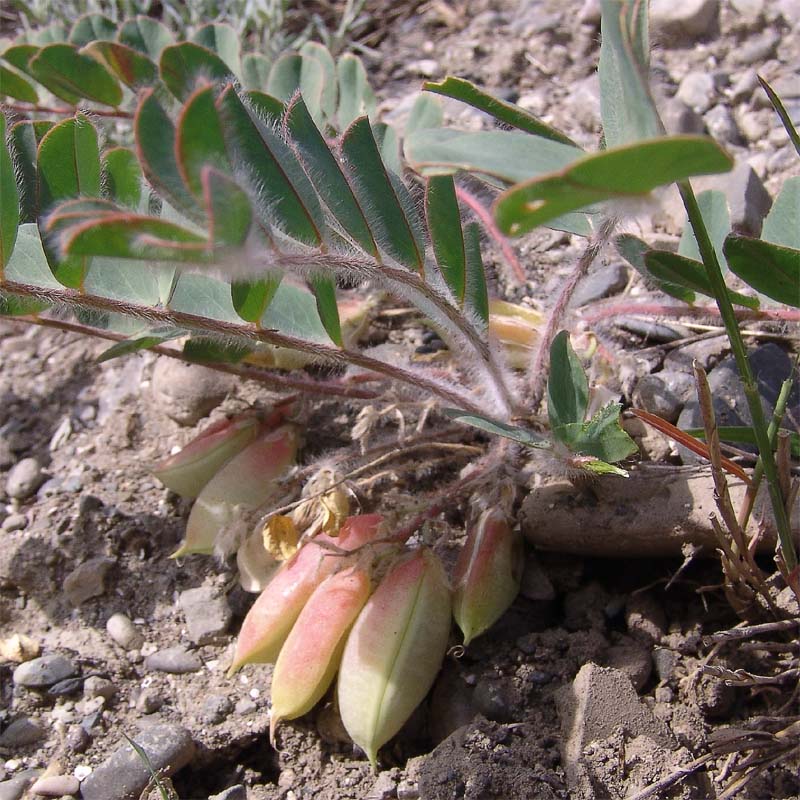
[[447, 236], [90, 28], [28, 263], [24, 138], [9, 208], [516, 434], [383, 200], [324, 289], [251, 299], [601, 437], [129, 65], [230, 215], [567, 387], [121, 176], [330, 89], [476, 294], [292, 73], [183, 65], [629, 171], [634, 250], [714, 209], [356, 98], [147, 35], [425, 113], [15, 86], [223, 40], [20, 55], [782, 225], [255, 71], [769, 268], [71, 76]]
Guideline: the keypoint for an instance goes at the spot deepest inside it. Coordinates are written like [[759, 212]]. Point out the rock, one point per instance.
[[22, 732], [95, 686], [176, 660], [237, 792], [452, 704], [721, 125], [787, 601], [149, 701], [384, 788], [66, 687], [665, 661], [697, 91], [590, 13], [124, 632], [584, 102], [754, 126], [715, 698], [44, 671], [757, 49], [747, 83], [187, 392], [78, 739], [584, 608], [24, 479], [748, 200], [215, 709], [498, 699], [651, 394], [652, 332], [683, 20], [56, 786], [14, 788], [124, 776], [706, 352], [790, 12], [770, 365], [15, 522], [207, 613], [609, 280], [679, 118], [645, 618], [752, 9], [87, 579], [598, 701], [633, 658]]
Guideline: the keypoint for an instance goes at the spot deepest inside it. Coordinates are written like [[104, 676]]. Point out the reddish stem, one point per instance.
[[652, 308], [482, 213], [25, 108]]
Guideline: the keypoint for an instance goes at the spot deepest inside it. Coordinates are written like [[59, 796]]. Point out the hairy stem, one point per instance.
[[26, 108], [180, 319], [760, 429], [615, 308], [538, 369]]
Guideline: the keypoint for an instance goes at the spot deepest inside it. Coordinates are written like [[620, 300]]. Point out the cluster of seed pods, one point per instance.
[[354, 602]]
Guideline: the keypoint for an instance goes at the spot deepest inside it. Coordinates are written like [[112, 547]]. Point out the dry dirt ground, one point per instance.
[[507, 718]]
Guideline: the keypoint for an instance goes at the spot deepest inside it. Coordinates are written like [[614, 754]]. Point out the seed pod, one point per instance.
[[517, 328], [487, 575], [311, 653], [273, 614], [189, 470], [394, 651], [247, 481]]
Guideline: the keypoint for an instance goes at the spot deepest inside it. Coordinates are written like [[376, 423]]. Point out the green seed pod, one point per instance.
[[394, 651], [487, 575], [311, 653]]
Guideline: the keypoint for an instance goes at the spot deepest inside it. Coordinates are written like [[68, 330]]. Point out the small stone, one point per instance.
[[95, 686], [683, 20], [664, 695], [632, 658], [24, 479], [499, 700], [237, 792], [752, 9], [21, 733], [609, 280], [216, 709], [207, 613], [66, 687], [187, 392], [790, 11], [149, 701], [679, 118], [89, 503], [747, 83], [753, 125], [384, 788], [15, 788], [56, 786], [697, 91], [757, 49], [645, 618], [87, 580], [748, 200], [590, 13], [176, 660], [721, 125], [706, 352], [124, 632], [244, 706], [78, 739], [714, 697], [653, 395], [124, 776], [44, 671], [787, 601], [15, 522]]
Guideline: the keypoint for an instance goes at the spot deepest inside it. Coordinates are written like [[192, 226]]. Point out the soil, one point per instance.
[[495, 724]]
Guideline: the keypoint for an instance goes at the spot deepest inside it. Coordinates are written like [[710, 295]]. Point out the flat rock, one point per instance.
[[124, 776], [652, 394], [697, 91], [120, 628], [21, 733], [24, 478], [176, 660], [600, 700], [39, 673], [207, 613], [187, 392], [609, 280], [237, 792], [14, 788], [684, 19], [56, 786], [87, 580], [748, 200]]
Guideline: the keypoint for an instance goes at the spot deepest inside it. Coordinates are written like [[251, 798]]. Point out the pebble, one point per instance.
[[747, 83], [66, 687], [653, 395], [187, 392], [632, 658], [605, 282], [22, 732], [56, 786], [14, 788], [697, 91], [95, 686], [706, 352], [384, 788], [679, 118], [748, 200], [149, 701], [124, 776], [645, 618], [176, 660], [15, 522], [753, 125], [757, 49], [237, 792], [207, 613], [216, 708], [78, 739], [665, 661], [120, 628], [87, 580], [721, 125], [39, 673], [684, 19], [498, 699], [244, 706], [24, 479]]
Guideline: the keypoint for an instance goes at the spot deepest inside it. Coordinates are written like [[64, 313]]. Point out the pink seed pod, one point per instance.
[[311, 653], [248, 481], [487, 575], [394, 651], [189, 470], [276, 609]]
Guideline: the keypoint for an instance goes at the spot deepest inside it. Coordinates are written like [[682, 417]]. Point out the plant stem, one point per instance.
[[24, 108], [213, 327], [726, 311]]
